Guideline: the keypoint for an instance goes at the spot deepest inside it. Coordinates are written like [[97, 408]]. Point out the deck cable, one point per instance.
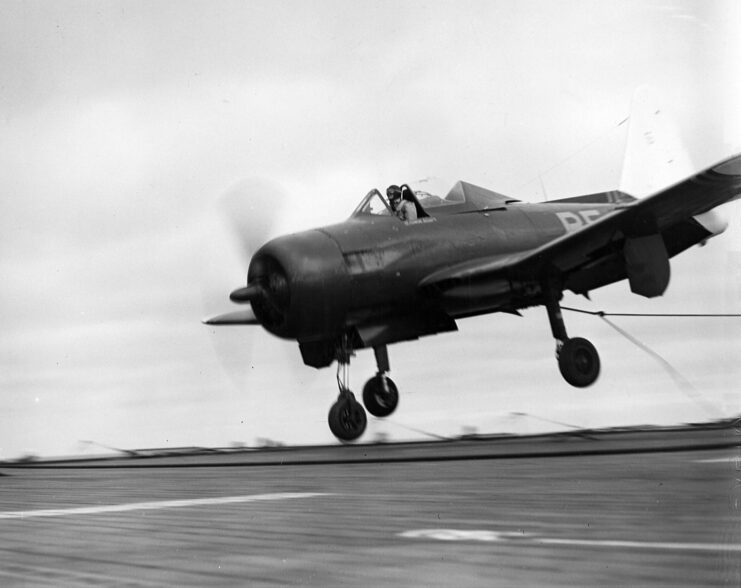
[[682, 383]]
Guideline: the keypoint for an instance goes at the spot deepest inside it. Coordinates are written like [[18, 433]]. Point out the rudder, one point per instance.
[[655, 157]]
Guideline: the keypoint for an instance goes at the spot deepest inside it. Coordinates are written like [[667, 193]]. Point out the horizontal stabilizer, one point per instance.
[[238, 317], [611, 197]]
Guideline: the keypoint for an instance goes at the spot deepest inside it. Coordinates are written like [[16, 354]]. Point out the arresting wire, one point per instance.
[[602, 314], [682, 383]]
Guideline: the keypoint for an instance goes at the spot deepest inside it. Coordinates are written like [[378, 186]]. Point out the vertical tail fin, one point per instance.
[[654, 155]]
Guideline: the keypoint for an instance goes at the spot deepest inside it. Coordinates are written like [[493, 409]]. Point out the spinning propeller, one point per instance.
[[252, 207]]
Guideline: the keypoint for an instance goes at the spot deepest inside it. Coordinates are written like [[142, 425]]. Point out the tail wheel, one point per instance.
[[578, 362], [380, 396], [347, 418]]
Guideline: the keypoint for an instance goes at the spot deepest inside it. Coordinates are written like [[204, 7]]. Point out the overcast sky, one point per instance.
[[122, 124]]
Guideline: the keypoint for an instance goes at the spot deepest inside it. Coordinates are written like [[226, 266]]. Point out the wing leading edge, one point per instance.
[[640, 222]]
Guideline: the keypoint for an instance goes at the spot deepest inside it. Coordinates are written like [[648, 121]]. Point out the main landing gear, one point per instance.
[[578, 360], [347, 419]]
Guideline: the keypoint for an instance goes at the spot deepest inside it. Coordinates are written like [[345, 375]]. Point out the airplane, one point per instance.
[[374, 279]]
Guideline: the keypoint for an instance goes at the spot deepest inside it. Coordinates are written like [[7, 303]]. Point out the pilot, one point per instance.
[[402, 202]]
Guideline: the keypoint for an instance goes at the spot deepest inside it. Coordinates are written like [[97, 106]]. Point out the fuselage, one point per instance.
[[369, 267], [386, 259], [361, 278]]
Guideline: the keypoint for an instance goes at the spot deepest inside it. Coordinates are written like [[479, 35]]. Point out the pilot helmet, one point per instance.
[[393, 192]]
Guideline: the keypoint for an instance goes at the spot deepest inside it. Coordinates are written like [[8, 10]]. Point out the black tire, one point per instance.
[[380, 400], [578, 362], [347, 419]]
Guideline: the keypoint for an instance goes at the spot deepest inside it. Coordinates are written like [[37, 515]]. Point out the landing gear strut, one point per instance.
[[578, 360], [347, 419]]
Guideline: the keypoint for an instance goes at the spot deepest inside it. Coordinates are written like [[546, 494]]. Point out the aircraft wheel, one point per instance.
[[579, 362], [347, 418], [380, 396]]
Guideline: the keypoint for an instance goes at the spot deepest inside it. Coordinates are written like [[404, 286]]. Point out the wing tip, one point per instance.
[[729, 167]]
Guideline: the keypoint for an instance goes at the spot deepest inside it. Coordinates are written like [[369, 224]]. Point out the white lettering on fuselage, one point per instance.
[[573, 221]]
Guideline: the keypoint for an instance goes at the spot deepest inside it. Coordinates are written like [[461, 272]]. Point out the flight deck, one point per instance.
[[639, 507]]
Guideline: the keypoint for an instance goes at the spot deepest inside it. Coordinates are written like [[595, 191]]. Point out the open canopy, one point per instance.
[[463, 197]]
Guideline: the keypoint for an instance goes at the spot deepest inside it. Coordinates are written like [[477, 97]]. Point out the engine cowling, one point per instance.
[[302, 286]]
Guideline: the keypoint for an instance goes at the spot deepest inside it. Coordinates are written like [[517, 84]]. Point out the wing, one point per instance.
[[584, 249]]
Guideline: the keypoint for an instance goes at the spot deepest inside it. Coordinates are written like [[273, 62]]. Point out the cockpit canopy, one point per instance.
[[463, 197]]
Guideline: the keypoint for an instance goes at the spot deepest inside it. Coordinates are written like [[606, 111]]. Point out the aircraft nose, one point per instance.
[[304, 285]]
